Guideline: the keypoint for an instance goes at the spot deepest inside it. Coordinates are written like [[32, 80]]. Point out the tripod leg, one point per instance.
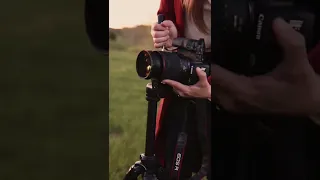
[[152, 98], [148, 166], [135, 171], [151, 126]]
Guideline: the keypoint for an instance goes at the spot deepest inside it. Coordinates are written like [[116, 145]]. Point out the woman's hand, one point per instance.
[[202, 89], [292, 87], [163, 34]]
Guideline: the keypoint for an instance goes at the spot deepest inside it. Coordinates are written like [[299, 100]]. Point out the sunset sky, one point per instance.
[[130, 13]]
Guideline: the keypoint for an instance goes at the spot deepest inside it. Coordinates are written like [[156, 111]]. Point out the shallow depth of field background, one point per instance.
[[128, 106], [53, 94]]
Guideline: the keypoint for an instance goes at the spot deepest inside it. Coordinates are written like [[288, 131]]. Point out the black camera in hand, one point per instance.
[[179, 65], [243, 40]]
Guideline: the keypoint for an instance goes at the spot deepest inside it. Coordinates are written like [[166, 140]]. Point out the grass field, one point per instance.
[[128, 106]]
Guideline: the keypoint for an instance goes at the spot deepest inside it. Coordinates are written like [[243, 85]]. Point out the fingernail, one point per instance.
[[162, 82]]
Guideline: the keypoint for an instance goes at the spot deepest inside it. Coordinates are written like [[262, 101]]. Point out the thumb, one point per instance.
[[229, 81], [167, 23], [291, 41], [202, 75]]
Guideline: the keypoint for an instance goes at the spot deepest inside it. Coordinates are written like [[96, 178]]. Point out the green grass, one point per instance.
[[127, 103], [127, 112]]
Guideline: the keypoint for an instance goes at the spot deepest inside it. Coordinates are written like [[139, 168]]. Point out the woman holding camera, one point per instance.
[[190, 19], [282, 91]]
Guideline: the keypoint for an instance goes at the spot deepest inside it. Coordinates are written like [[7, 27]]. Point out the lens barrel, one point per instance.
[[149, 64], [163, 65]]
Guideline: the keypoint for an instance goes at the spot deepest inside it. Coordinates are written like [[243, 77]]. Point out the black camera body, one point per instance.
[[179, 65], [243, 40]]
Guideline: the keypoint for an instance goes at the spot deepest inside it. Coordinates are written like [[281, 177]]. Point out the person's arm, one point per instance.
[[167, 9]]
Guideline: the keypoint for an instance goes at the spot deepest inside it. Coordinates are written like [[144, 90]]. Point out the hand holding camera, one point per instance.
[[202, 89], [291, 88], [163, 34]]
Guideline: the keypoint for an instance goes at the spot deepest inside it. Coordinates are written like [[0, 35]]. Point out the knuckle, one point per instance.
[[169, 22], [153, 33], [157, 35], [156, 27], [155, 40], [153, 27]]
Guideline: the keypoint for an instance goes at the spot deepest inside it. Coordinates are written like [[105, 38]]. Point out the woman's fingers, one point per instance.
[[160, 34], [200, 89], [161, 39], [180, 88], [159, 45], [202, 76], [157, 27]]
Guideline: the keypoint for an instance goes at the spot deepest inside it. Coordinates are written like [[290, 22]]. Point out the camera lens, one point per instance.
[[149, 64], [161, 65]]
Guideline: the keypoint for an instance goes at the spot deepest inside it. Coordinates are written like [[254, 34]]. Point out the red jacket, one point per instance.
[[173, 10]]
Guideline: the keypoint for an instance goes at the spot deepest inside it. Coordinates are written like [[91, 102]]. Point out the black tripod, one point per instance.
[[148, 165]]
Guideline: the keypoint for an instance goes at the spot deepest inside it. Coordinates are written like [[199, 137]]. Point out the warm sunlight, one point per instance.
[[130, 13]]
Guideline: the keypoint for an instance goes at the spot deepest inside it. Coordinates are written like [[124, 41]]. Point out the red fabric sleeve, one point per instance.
[[173, 10], [167, 9]]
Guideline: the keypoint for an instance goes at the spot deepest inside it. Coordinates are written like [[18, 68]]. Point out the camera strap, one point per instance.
[[204, 134], [180, 146], [203, 131]]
